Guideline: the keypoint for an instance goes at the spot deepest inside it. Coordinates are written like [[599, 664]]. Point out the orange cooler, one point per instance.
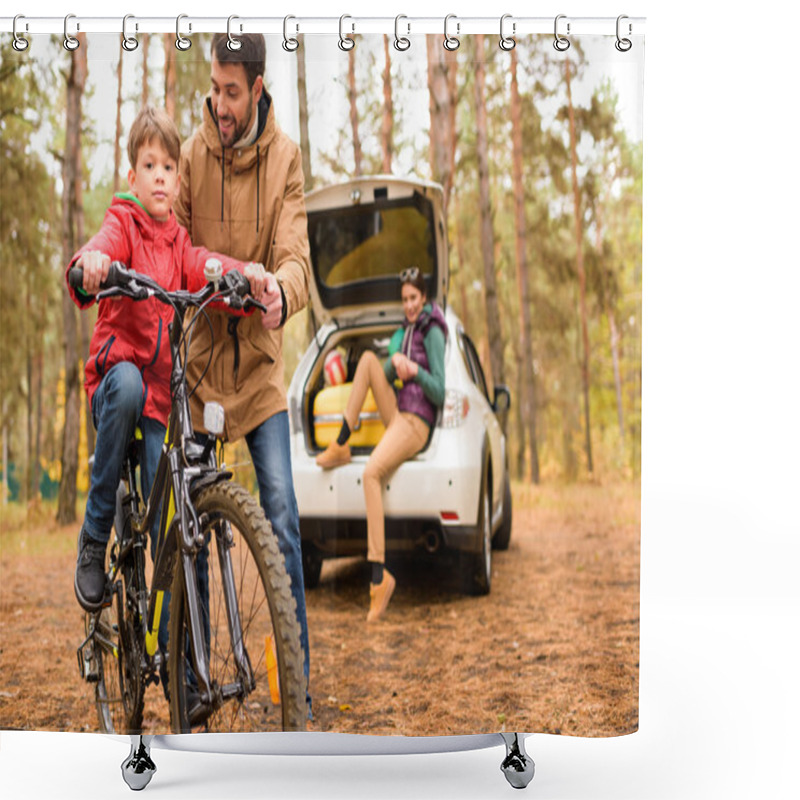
[[329, 405]]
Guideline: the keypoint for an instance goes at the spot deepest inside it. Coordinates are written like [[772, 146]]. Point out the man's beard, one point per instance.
[[241, 128]]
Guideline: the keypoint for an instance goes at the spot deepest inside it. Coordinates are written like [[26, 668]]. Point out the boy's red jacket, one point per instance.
[[137, 331]]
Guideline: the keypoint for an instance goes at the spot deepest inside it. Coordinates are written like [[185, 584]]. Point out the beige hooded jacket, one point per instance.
[[248, 203]]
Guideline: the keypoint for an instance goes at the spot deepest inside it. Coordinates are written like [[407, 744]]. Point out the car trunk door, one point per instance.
[[362, 233]]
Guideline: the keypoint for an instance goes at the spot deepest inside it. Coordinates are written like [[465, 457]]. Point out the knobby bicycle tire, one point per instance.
[[268, 617]]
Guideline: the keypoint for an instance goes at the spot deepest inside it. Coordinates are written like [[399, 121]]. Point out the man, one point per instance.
[[242, 195]]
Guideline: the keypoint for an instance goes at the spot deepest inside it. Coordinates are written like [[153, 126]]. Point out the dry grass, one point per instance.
[[554, 647]]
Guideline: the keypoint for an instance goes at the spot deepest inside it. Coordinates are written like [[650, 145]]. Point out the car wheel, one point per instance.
[[478, 566], [312, 566], [503, 536]]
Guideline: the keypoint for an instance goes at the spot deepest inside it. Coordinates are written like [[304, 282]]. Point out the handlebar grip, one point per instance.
[[237, 282], [118, 275]]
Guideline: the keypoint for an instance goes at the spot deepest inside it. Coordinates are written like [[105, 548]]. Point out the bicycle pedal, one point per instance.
[[87, 664]]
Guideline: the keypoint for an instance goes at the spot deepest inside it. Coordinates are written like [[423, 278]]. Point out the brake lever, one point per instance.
[[114, 291], [250, 302]]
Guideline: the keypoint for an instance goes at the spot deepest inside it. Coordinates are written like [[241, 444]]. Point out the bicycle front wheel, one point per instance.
[[240, 542]]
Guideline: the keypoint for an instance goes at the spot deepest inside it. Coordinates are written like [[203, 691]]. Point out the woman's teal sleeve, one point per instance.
[[395, 343], [432, 379]]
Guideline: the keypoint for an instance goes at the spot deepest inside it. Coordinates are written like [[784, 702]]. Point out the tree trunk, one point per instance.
[[612, 324], [37, 445], [170, 77], [25, 493], [5, 462], [67, 491], [352, 96], [608, 307], [527, 379], [302, 102], [580, 267], [118, 127], [493, 327], [145, 38], [463, 278], [387, 123], [83, 319], [442, 107]]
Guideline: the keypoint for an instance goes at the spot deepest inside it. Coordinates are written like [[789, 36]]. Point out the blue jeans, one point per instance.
[[269, 446], [116, 410]]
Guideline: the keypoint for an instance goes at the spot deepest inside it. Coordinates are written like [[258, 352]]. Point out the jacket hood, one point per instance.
[[126, 205]]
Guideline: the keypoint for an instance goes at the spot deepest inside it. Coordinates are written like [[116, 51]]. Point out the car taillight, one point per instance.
[[456, 408]]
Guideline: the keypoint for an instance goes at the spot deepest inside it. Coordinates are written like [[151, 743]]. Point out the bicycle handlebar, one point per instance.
[[233, 286]]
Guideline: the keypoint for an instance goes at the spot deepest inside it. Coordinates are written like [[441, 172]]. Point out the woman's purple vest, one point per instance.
[[411, 396]]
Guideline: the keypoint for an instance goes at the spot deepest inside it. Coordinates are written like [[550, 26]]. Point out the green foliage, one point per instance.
[[29, 231]]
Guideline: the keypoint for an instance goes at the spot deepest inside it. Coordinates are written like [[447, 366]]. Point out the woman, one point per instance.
[[416, 366]]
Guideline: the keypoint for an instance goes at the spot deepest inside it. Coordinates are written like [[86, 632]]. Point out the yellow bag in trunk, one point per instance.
[[329, 405]]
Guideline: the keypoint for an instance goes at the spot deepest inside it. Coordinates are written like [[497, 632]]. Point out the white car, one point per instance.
[[453, 496]]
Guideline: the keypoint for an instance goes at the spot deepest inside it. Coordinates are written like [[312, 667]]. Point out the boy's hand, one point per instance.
[[95, 269]]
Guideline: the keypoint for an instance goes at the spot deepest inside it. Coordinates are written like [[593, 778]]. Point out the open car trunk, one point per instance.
[[323, 405]]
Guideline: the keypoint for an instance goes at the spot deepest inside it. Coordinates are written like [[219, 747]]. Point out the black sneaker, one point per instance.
[[90, 574]]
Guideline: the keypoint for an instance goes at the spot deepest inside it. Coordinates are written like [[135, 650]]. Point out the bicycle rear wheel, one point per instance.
[[237, 531], [118, 692]]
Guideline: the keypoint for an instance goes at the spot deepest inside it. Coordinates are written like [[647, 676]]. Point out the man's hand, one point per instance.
[[264, 288], [95, 269], [257, 276]]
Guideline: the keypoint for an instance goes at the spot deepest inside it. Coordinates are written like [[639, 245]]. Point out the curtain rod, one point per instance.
[[402, 25]]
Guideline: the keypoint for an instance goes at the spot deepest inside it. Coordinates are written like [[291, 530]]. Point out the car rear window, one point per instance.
[[372, 242]]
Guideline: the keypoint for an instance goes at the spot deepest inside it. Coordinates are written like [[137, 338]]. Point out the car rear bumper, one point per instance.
[[448, 499], [348, 537]]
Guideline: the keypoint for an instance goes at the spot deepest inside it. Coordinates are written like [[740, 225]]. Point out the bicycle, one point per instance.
[[234, 660]]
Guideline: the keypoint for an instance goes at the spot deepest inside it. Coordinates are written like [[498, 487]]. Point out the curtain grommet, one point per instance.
[[507, 42], [401, 43], [345, 42], [451, 43], [20, 43], [623, 45], [233, 43], [561, 43], [129, 43], [290, 43], [182, 42], [70, 42]]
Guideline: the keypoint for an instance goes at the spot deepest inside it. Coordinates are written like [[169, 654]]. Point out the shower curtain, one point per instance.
[[522, 166]]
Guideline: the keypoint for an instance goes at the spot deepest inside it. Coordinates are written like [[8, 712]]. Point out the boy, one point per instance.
[[128, 371]]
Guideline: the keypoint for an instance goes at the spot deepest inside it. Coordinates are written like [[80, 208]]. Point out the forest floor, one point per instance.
[[554, 647]]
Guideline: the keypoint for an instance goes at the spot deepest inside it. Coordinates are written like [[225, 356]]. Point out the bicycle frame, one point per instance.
[[184, 466]]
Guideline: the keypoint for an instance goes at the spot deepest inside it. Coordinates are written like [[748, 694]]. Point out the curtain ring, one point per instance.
[[129, 43], [290, 44], [70, 42], [182, 42], [507, 42], [233, 43], [401, 42], [561, 43], [623, 45], [345, 42], [451, 42], [20, 43]]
